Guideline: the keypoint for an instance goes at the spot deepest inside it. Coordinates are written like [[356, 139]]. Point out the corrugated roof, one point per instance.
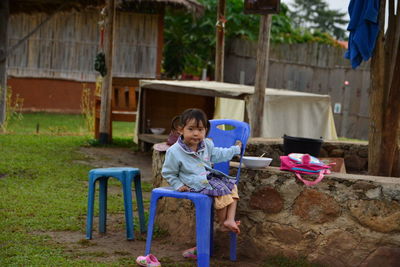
[[48, 6]]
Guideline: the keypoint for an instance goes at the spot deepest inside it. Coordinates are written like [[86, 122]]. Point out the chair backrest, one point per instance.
[[123, 98], [225, 133]]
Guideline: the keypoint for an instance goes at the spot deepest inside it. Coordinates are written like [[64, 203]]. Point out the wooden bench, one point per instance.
[[123, 107]]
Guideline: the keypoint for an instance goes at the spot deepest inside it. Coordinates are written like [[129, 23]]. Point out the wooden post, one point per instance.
[[220, 42], [261, 78], [106, 90], [160, 44], [4, 14], [391, 125], [345, 110], [383, 146]]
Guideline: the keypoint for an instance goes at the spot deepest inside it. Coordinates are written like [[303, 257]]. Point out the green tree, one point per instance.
[[283, 31], [190, 42], [304, 11], [316, 15], [332, 22]]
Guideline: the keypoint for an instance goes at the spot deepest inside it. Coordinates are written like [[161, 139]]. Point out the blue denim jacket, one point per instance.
[[185, 167]]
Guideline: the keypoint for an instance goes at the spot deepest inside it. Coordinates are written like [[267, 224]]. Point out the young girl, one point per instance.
[[187, 167], [174, 134], [172, 137]]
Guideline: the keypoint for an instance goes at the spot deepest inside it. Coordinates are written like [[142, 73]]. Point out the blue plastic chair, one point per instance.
[[125, 175], [203, 203]]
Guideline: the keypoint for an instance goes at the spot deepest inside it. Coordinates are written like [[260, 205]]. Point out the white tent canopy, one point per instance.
[[285, 112]]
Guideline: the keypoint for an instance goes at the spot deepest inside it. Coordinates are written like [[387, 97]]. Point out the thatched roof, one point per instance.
[[49, 6]]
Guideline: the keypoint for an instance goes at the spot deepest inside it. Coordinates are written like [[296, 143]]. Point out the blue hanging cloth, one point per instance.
[[364, 29]]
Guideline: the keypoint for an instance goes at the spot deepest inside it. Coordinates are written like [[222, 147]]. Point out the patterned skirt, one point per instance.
[[220, 184]]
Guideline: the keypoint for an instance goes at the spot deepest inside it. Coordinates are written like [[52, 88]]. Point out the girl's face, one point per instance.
[[193, 133]]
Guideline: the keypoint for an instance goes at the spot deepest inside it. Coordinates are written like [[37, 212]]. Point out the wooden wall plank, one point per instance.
[[66, 46]]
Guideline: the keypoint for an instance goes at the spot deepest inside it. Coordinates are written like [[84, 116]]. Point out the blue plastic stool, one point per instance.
[[203, 203], [125, 175]]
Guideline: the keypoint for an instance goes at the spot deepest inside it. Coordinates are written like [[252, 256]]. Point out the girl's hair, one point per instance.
[[194, 113]]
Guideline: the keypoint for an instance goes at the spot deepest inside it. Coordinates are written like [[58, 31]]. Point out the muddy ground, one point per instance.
[[113, 246]]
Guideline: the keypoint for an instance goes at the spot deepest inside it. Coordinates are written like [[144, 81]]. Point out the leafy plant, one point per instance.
[[13, 109], [87, 108]]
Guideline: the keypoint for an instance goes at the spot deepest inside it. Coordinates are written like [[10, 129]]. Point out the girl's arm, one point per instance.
[[170, 170], [221, 154]]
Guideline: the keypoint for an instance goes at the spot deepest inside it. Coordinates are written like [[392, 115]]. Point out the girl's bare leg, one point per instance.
[[230, 222], [221, 214]]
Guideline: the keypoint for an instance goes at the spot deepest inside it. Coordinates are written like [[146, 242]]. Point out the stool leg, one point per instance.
[[139, 201], [150, 225], [103, 204], [203, 214], [89, 217], [127, 191]]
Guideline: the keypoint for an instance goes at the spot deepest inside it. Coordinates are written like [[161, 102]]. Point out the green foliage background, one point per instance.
[[190, 42]]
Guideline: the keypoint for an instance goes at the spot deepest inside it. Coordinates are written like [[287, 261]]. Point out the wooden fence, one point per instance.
[[314, 68], [65, 47]]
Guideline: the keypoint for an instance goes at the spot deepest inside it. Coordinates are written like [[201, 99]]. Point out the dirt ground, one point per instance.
[[113, 246]]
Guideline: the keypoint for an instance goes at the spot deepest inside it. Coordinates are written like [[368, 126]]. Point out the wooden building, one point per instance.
[[49, 69]]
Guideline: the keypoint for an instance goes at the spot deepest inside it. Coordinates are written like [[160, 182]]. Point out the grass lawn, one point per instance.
[[62, 124], [43, 189]]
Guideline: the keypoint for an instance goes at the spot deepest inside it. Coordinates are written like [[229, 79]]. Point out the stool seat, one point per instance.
[[126, 175]]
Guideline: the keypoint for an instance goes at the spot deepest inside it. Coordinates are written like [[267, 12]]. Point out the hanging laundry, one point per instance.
[[364, 29]]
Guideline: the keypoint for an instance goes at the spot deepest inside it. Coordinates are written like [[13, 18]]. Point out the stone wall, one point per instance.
[[345, 220], [355, 154]]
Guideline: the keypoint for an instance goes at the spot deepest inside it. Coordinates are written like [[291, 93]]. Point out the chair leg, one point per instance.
[[103, 204], [126, 188], [232, 247], [150, 225], [203, 213], [139, 201], [90, 211], [212, 230]]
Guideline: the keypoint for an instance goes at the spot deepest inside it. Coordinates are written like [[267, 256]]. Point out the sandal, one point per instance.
[[148, 261], [190, 253]]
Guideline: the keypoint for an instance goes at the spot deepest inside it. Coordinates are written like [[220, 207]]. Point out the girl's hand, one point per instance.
[[238, 143], [183, 189]]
